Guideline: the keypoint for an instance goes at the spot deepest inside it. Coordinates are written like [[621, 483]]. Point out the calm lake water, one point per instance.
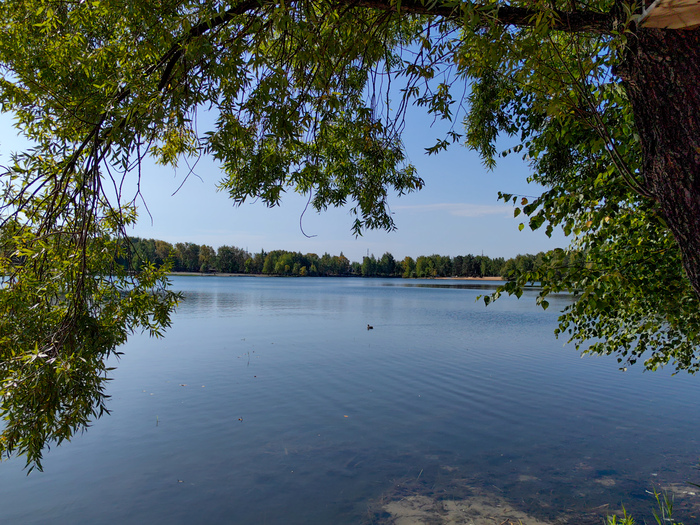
[[269, 402]]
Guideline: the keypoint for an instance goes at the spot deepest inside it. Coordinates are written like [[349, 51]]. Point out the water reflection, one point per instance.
[[457, 285]]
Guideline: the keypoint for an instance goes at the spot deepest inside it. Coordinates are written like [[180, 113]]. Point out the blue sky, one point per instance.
[[456, 213]]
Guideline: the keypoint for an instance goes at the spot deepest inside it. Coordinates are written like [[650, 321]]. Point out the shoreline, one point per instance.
[[218, 274], [496, 278]]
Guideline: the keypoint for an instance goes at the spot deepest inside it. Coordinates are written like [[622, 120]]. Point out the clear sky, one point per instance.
[[456, 213]]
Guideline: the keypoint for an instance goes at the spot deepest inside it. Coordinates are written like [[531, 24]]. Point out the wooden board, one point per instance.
[[673, 14]]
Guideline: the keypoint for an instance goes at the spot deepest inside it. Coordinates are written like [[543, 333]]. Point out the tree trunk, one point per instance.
[[661, 74]]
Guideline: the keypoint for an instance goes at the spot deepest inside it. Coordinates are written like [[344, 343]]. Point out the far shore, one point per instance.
[[468, 278], [216, 274]]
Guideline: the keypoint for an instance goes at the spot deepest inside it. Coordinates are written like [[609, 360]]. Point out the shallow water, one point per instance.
[[270, 402]]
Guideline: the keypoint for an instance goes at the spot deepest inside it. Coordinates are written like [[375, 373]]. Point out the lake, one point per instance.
[[270, 402]]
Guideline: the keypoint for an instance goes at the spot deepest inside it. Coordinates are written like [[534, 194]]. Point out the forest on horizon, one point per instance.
[[192, 257]]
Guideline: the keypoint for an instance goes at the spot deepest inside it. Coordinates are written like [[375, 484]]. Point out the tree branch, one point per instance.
[[171, 57], [570, 21]]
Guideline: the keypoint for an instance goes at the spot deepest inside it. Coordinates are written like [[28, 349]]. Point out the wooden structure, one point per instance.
[[672, 14]]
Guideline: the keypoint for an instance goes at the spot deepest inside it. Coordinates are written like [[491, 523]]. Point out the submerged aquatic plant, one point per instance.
[[626, 519], [664, 516]]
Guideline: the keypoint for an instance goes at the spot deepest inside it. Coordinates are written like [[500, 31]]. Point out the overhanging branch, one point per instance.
[[570, 21]]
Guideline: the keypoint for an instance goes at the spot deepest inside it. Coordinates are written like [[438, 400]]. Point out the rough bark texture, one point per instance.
[[662, 77]]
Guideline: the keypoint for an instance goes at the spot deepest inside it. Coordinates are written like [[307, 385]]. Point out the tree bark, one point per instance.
[[661, 74]]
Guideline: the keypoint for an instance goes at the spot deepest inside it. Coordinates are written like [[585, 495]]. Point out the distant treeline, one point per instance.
[[190, 257]]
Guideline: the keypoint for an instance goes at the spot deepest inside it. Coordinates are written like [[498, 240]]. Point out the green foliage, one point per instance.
[[190, 257], [556, 95], [409, 268], [626, 519], [65, 307], [664, 515], [282, 262], [230, 259], [633, 298], [665, 505]]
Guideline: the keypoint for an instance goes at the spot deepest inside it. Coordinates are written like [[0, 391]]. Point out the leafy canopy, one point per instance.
[[309, 96]]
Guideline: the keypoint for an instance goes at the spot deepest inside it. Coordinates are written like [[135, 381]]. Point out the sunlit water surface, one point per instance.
[[269, 401]]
